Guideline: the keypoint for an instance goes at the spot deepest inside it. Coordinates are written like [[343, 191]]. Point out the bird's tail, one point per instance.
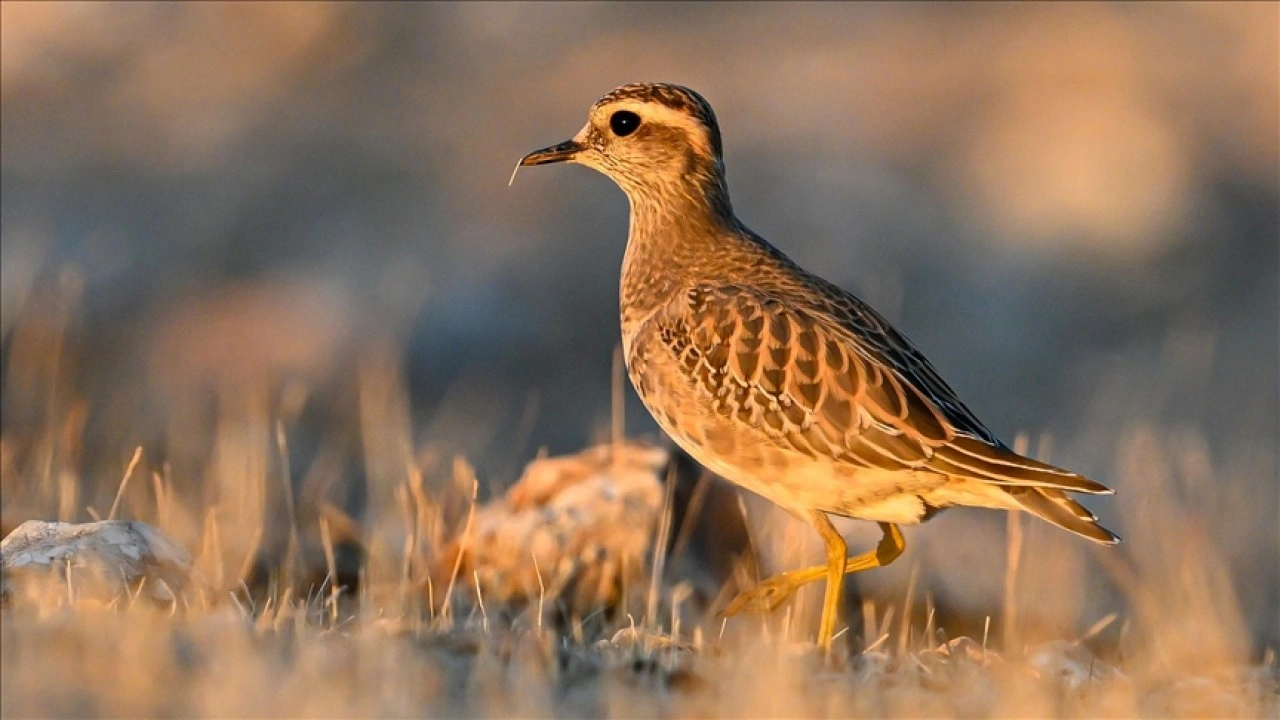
[[1057, 507], [1039, 488]]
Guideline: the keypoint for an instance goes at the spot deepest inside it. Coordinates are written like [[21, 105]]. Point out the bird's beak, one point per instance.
[[563, 152]]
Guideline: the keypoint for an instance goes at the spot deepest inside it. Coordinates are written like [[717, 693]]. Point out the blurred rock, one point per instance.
[[574, 530], [99, 559]]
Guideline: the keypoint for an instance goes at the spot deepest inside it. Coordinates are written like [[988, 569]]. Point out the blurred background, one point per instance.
[[216, 217]]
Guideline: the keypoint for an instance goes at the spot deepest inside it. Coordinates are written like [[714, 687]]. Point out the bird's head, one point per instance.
[[649, 138]]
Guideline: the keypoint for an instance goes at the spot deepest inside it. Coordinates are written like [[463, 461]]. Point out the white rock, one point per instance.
[[100, 558]]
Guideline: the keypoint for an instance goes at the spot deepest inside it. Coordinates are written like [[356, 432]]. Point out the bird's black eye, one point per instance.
[[624, 122]]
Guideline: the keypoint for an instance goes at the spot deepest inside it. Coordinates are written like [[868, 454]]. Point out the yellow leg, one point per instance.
[[775, 591], [837, 553]]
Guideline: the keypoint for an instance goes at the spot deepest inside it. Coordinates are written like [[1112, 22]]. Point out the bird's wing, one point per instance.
[[850, 388]]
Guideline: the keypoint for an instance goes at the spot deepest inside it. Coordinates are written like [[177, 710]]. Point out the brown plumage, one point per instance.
[[775, 378]]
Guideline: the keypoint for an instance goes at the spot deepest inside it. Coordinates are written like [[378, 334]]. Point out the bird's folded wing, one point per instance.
[[854, 391]]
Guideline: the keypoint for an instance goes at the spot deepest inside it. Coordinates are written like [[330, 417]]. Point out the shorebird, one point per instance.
[[776, 379]]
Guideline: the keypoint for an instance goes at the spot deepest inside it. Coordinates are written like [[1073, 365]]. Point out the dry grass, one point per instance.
[[302, 610]]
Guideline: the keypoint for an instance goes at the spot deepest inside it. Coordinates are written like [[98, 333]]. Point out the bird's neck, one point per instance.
[[684, 215], [676, 233]]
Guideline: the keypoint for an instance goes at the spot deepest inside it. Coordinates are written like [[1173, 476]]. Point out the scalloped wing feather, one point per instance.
[[855, 390]]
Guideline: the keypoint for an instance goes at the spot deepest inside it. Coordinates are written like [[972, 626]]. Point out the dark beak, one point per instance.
[[563, 152]]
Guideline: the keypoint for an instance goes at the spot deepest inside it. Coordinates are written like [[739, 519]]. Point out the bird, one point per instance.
[[776, 379]]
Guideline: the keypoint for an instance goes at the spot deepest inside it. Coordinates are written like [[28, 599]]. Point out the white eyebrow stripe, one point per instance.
[[662, 115]]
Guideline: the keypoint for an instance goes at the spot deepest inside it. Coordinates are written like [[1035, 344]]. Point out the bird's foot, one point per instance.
[[770, 594]]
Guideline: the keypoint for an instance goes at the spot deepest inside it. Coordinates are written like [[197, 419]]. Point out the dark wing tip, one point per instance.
[[1058, 508], [1108, 538], [975, 458], [1101, 535]]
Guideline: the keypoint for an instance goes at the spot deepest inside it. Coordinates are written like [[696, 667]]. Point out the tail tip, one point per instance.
[[1112, 539], [1100, 535]]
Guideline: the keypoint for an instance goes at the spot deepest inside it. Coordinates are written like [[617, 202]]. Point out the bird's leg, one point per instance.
[[775, 591], [837, 554]]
